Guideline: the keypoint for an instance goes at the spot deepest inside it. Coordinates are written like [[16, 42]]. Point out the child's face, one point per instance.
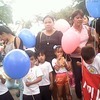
[[41, 58], [90, 61], [33, 60], [59, 52]]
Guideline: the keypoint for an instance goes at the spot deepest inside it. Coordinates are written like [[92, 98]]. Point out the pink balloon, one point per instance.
[[62, 25], [70, 41]]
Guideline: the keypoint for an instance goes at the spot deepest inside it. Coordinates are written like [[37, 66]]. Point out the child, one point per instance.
[[31, 80], [62, 80], [46, 84], [91, 73], [91, 60], [4, 92], [71, 78], [70, 72]]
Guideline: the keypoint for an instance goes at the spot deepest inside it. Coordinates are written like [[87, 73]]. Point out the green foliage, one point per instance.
[[38, 18], [81, 5], [5, 13], [27, 24], [66, 13], [63, 13]]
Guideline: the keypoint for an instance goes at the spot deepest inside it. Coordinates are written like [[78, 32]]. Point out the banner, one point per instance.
[[90, 85]]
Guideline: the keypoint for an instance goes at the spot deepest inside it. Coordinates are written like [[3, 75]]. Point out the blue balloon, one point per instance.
[[16, 64], [29, 39], [93, 7]]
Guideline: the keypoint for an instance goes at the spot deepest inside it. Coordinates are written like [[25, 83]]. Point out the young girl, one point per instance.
[[31, 80], [46, 84], [62, 80], [70, 72]]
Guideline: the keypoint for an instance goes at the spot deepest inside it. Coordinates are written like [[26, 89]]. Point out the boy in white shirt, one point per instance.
[[90, 73], [31, 80], [91, 60]]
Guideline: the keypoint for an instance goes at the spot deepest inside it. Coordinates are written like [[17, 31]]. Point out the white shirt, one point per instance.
[[31, 76], [98, 54], [46, 69], [94, 68], [61, 70], [3, 88]]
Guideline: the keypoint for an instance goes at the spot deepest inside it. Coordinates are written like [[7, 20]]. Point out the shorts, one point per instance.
[[61, 79]]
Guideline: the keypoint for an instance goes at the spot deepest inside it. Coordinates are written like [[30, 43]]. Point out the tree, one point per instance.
[[80, 4], [5, 13], [63, 13], [66, 12]]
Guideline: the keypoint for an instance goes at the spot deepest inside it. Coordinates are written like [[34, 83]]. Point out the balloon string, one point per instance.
[[32, 94], [21, 87], [92, 32]]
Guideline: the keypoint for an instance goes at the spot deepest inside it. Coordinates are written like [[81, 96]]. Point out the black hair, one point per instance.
[[75, 13], [40, 51], [56, 47], [4, 28], [48, 16], [86, 17], [30, 53], [87, 53]]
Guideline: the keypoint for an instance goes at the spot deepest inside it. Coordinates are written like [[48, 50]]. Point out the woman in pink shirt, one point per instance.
[[82, 31]]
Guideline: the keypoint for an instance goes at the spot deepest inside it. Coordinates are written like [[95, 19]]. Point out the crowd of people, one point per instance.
[[53, 73]]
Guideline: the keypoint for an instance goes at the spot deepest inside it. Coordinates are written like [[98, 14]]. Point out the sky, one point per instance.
[[26, 9]]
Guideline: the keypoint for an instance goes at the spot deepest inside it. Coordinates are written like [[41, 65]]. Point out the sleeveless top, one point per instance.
[[12, 45], [8, 48]]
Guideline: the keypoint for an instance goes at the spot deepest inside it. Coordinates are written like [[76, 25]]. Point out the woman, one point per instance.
[[46, 40], [11, 42], [81, 30], [86, 20]]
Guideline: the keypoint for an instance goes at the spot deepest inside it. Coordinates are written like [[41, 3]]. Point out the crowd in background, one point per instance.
[[53, 72]]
